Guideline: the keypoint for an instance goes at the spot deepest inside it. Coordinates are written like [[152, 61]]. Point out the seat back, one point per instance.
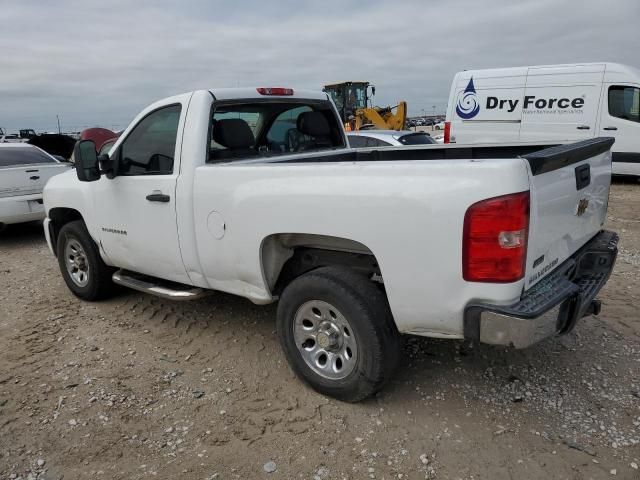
[[234, 134]]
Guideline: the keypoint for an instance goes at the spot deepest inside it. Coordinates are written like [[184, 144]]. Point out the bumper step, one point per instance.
[[551, 307], [159, 288]]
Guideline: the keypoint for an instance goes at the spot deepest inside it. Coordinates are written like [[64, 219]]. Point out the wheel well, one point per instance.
[[286, 256], [60, 217]]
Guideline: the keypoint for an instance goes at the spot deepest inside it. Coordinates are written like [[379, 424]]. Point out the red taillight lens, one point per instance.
[[274, 91], [494, 242], [447, 132]]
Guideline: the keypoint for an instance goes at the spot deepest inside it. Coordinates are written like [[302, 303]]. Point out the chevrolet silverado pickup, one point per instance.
[[256, 192]]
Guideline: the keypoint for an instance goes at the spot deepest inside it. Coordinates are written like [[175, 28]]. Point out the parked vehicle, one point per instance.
[[10, 138], [58, 145], [555, 103], [27, 133], [24, 170], [386, 138], [106, 146], [438, 126], [256, 193], [99, 136]]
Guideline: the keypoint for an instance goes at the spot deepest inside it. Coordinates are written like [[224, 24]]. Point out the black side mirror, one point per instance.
[[86, 159], [373, 90]]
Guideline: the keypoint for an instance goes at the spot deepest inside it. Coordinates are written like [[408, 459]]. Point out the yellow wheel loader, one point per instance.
[[353, 100]]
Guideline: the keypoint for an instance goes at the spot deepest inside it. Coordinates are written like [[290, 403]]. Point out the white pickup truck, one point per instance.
[[257, 193]]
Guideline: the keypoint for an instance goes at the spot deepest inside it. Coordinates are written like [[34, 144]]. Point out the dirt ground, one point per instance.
[[137, 387]]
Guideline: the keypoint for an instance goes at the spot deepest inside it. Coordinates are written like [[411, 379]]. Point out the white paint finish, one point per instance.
[[556, 231], [122, 206], [408, 213], [216, 225], [21, 187], [589, 81]]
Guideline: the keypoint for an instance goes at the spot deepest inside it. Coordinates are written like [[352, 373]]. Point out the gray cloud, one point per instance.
[[99, 64]]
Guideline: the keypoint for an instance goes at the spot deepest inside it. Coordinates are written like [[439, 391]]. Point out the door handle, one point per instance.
[[610, 128], [34, 177], [157, 196], [583, 127]]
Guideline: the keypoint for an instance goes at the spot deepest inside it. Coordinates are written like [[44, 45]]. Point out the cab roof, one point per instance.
[[252, 92]]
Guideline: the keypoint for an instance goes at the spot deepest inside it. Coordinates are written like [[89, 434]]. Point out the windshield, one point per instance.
[[356, 96]]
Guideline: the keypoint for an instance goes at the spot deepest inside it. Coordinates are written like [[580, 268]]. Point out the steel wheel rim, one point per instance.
[[76, 262], [325, 340]]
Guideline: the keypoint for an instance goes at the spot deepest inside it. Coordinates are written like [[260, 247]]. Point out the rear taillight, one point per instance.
[[494, 242], [274, 91], [447, 132]]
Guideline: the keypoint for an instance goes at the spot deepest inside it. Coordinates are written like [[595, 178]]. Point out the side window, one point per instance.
[[374, 142], [283, 136], [624, 102], [357, 141], [150, 147]]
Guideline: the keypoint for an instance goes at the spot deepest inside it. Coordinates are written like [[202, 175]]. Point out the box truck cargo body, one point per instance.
[[554, 103]]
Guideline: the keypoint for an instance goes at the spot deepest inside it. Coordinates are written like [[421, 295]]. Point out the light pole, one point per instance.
[[58, 118]]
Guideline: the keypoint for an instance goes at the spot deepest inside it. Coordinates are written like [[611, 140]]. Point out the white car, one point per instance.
[[439, 126], [24, 170], [254, 192], [386, 138]]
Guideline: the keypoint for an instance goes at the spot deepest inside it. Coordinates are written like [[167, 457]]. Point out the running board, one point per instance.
[[157, 287]]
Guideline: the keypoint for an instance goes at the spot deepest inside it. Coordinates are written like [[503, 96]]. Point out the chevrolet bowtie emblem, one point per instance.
[[582, 206]]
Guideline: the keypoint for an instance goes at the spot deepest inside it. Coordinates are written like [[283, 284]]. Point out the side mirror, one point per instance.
[[86, 158], [373, 90]]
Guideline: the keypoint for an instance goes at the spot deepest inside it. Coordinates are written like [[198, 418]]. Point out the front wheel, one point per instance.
[[82, 268], [337, 333]]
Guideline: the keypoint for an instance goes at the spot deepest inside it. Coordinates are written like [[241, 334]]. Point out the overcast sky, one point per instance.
[[99, 63]]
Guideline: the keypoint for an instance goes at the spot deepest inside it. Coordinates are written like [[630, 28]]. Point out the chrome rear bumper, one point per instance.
[[552, 306]]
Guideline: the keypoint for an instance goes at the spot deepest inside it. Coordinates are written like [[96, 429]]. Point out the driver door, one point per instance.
[[136, 209]]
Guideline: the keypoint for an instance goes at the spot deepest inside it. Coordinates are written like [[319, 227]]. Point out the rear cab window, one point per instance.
[[17, 156], [245, 129]]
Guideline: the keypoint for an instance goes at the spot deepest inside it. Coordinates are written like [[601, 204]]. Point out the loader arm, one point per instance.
[[383, 118]]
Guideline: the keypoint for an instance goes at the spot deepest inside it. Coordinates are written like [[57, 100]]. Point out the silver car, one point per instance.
[[386, 138]]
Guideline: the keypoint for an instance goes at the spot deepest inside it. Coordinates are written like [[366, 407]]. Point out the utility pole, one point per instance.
[[434, 110], [58, 118]]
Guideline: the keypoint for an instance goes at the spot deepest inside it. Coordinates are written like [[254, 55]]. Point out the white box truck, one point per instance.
[[550, 103]]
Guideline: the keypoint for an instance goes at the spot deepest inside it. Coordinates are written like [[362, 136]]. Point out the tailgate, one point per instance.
[[569, 198], [28, 179]]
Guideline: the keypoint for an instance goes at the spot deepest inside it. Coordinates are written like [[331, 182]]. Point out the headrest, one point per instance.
[[313, 124], [233, 133]]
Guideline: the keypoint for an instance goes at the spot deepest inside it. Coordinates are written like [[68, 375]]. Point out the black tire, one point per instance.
[[99, 284], [364, 305]]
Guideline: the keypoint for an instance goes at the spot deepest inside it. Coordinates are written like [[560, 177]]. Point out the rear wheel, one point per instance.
[[82, 268], [337, 333]]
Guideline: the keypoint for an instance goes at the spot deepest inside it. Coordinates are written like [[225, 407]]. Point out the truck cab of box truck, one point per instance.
[[560, 103]]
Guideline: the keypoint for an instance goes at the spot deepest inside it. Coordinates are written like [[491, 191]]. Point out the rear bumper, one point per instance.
[[552, 306], [19, 209]]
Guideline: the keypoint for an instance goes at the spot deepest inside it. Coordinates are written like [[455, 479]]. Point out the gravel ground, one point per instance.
[[137, 387]]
